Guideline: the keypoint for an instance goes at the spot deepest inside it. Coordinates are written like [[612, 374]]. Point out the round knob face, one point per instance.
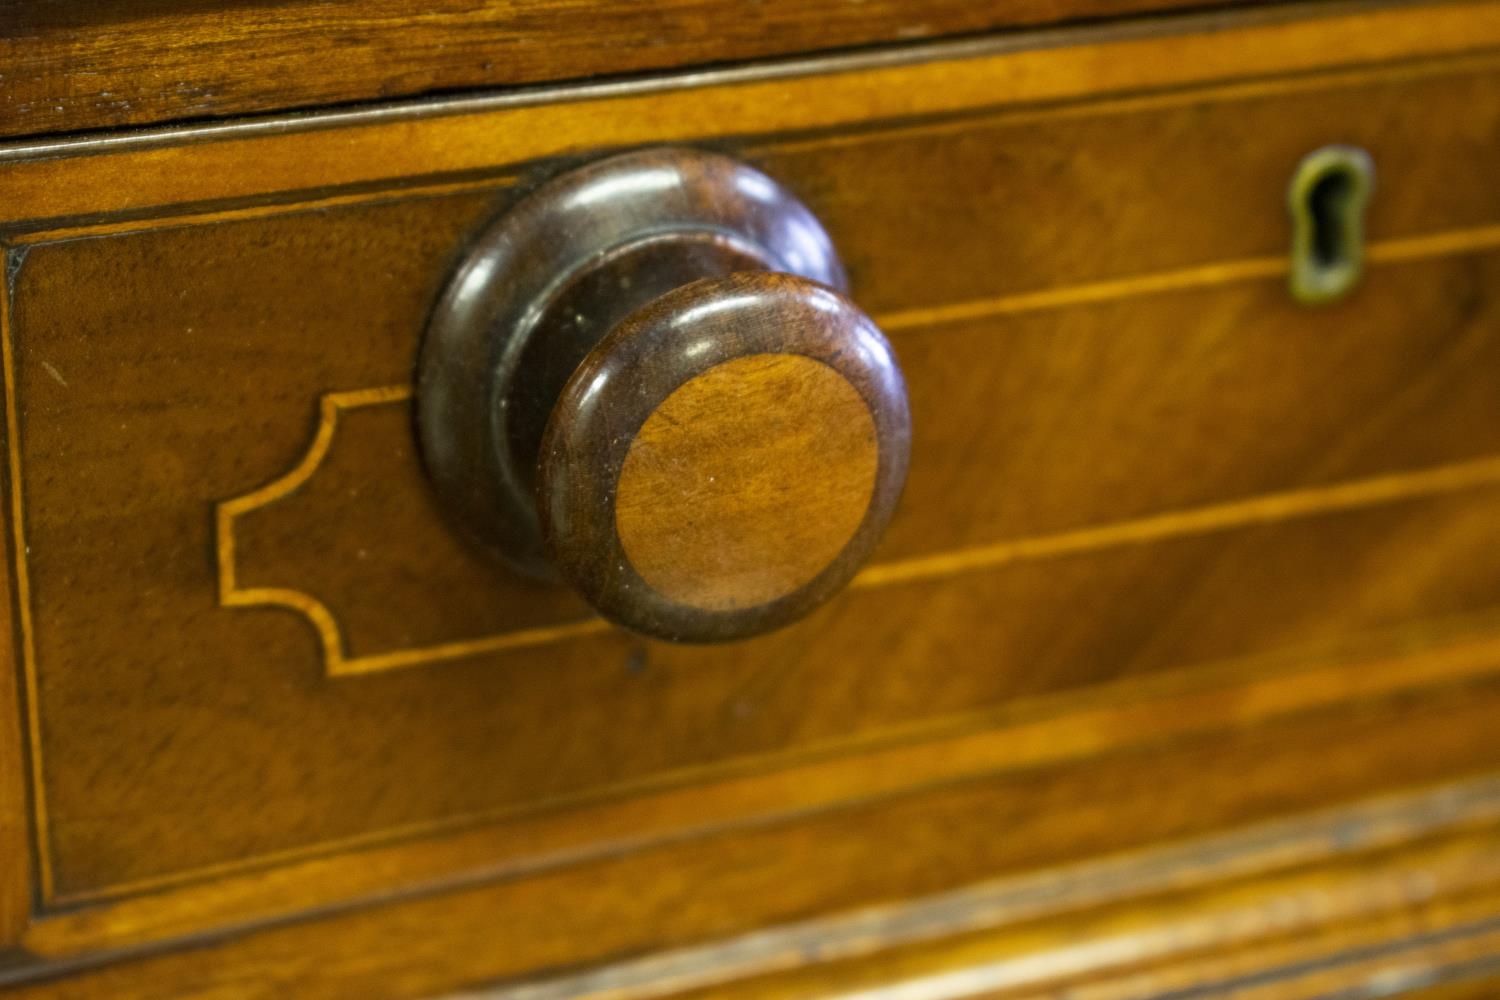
[[645, 380], [730, 498], [725, 458]]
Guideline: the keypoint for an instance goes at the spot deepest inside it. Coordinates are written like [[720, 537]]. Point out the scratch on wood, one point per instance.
[[56, 375]]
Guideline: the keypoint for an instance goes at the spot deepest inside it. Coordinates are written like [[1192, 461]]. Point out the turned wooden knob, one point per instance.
[[725, 458], [647, 382]]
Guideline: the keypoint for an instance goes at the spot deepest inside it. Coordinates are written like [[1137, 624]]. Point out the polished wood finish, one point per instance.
[[547, 280], [1245, 917], [444, 938], [726, 458], [73, 65], [747, 529], [590, 402], [461, 137], [16, 898], [1177, 668]]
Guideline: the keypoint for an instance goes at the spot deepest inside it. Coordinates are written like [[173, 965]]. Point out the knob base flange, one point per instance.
[[547, 280]]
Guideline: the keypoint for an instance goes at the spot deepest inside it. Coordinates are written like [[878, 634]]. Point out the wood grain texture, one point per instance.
[[1306, 937], [69, 66], [702, 889], [48, 188], [1058, 733], [1480, 983], [1262, 925], [663, 437], [1168, 539], [718, 511], [15, 821]]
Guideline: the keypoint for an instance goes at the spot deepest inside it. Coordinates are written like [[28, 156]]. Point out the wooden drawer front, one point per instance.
[[1138, 465], [133, 63]]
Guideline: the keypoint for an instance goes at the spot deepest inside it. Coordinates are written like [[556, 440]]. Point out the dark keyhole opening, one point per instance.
[[1329, 201]]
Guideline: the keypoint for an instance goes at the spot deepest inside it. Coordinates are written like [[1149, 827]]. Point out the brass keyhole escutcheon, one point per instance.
[[1327, 197]]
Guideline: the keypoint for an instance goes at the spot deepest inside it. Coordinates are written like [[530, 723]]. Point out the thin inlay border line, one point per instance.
[[303, 201], [1260, 510], [20, 575], [128, 173], [986, 44], [17, 689], [783, 787], [1263, 509]]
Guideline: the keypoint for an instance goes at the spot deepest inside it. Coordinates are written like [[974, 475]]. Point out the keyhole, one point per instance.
[[1327, 198], [1328, 201]]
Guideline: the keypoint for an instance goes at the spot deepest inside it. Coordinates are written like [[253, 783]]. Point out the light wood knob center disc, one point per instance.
[[747, 481]]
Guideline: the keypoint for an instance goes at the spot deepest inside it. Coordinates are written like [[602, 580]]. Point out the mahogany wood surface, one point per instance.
[[67, 65], [1351, 925], [1178, 668]]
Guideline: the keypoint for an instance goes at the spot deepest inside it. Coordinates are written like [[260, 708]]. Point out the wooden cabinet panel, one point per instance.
[[73, 66], [1054, 479], [1169, 536]]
